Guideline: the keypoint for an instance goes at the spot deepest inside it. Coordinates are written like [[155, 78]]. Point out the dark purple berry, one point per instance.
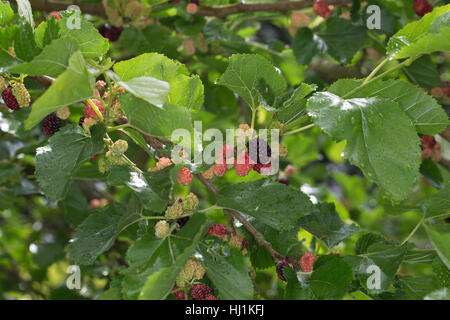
[[280, 266], [283, 181], [51, 124], [112, 33], [9, 99], [80, 122], [181, 222]]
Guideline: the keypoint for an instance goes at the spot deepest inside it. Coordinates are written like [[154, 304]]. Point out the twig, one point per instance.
[[214, 11], [255, 233], [247, 7]]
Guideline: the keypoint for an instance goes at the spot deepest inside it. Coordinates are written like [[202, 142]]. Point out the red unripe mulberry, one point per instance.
[[184, 177], [321, 8], [89, 112], [307, 262]]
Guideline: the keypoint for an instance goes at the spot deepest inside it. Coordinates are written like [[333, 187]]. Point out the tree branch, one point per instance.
[[255, 233], [215, 11], [278, 6]]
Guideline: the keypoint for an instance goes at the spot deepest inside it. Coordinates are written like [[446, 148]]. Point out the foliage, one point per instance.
[[359, 113]]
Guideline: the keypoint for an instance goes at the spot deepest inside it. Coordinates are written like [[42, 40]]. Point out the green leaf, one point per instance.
[[430, 170], [381, 139], [246, 71], [437, 204], [430, 43], [46, 32], [97, 233], [417, 31], [418, 286], [75, 206], [91, 43], [294, 106], [343, 38], [76, 83], [152, 188], [67, 150], [326, 225], [139, 140], [442, 272], [294, 290], [6, 13], [424, 73], [25, 46], [306, 45], [227, 269], [150, 65], [331, 278], [272, 203], [154, 121], [439, 235], [149, 89], [160, 283], [52, 61], [185, 91], [426, 114], [24, 11], [387, 257], [286, 243]]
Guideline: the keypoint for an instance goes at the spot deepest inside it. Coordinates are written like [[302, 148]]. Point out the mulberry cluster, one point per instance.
[[201, 291], [191, 271], [430, 148], [51, 124], [280, 266], [89, 112], [9, 99], [182, 207], [218, 230], [112, 33], [307, 262], [162, 229], [321, 8], [178, 293], [184, 177]]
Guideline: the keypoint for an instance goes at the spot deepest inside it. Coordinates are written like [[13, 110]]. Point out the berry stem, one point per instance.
[[95, 108], [255, 233], [253, 118], [365, 83], [375, 71], [414, 230], [299, 129], [114, 128]]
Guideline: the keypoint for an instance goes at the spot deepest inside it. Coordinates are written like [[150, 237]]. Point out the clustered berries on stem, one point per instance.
[[201, 291], [184, 177], [112, 33], [186, 279], [321, 8], [306, 263], [51, 124], [430, 148], [14, 94]]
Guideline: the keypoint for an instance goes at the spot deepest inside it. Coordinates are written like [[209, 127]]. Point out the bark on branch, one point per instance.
[[247, 225], [214, 11]]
